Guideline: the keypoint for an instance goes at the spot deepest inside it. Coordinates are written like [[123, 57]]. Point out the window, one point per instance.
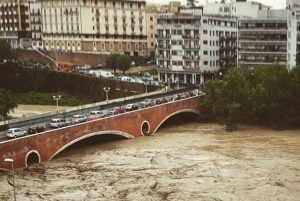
[[205, 62], [205, 42], [205, 52], [151, 27], [151, 18], [151, 35], [204, 21], [204, 31], [152, 44]]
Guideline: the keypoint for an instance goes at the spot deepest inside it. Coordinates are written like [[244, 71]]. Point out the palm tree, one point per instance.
[[191, 3]]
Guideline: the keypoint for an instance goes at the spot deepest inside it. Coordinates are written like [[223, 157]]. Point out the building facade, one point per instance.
[[270, 38], [36, 25], [235, 8], [151, 15], [15, 23], [192, 47], [95, 26]]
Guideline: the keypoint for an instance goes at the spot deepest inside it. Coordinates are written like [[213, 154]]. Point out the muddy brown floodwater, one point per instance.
[[185, 162]]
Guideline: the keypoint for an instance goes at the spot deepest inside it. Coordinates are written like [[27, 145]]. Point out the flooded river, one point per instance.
[[186, 162]]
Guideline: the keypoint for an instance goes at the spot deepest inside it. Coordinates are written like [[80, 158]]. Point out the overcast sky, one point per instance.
[[274, 3]]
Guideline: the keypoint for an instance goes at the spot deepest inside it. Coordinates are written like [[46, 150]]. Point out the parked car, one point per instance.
[[119, 109], [161, 101], [131, 107], [147, 103], [36, 129], [176, 97], [79, 118], [146, 74], [111, 113], [93, 117], [15, 132], [57, 123], [97, 113]]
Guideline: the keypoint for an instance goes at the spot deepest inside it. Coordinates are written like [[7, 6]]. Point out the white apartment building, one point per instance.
[[36, 25], [270, 38], [192, 47], [235, 8], [15, 23], [95, 26]]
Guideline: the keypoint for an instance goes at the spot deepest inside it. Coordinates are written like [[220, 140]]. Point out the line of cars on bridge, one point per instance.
[[97, 114]]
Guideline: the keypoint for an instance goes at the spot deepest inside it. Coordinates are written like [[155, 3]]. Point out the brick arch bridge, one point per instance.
[[133, 124]]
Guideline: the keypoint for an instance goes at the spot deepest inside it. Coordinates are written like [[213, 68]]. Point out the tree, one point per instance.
[[123, 62], [230, 99], [36, 76], [8, 102], [6, 52], [111, 61]]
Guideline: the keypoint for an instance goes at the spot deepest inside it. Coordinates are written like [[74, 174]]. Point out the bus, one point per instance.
[[65, 67]]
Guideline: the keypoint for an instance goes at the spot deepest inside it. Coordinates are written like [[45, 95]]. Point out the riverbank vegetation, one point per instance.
[[268, 96]]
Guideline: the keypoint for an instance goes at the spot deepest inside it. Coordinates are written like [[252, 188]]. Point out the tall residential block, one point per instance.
[[270, 38], [192, 47], [15, 24]]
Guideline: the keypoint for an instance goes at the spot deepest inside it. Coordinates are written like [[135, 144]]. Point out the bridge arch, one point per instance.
[[174, 113], [32, 153], [108, 132]]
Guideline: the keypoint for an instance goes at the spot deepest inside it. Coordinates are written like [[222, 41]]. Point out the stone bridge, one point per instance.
[[44, 146]]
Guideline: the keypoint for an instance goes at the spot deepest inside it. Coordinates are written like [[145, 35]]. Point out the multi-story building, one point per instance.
[[294, 5], [151, 14], [270, 38], [15, 22], [95, 26], [192, 47], [36, 25], [242, 8]]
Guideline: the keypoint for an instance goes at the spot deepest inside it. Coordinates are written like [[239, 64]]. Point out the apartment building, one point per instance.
[[95, 26], [192, 47], [15, 22], [151, 15], [36, 25], [270, 38], [236, 8]]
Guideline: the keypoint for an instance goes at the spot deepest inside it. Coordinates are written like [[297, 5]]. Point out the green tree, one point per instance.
[[6, 52], [111, 61], [230, 99], [8, 102], [123, 62]]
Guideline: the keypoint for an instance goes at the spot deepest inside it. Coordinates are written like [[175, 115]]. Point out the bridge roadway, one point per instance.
[[44, 146]]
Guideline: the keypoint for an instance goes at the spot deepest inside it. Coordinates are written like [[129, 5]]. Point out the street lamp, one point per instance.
[[169, 83], [145, 83], [220, 75], [106, 89], [57, 98], [13, 173]]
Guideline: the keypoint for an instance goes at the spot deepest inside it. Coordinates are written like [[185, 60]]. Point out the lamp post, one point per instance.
[[169, 83], [220, 75], [57, 98], [145, 83], [13, 173], [106, 89]]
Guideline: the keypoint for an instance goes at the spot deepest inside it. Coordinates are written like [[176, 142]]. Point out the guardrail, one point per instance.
[[85, 109]]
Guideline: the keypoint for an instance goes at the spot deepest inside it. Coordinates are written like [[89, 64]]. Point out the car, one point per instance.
[[161, 101], [36, 129], [15, 132], [131, 107], [146, 74], [93, 117], [176, 97], [97, 113], [79, 118], [147, 103], [111, 113], [57, 123], [119, 109]]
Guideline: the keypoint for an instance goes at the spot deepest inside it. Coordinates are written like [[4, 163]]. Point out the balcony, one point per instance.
[[163, 57], [141, 25], [141, 17], [189, 36], [163, 46], [163, 35], [132, 24], [124, 24], [191, 57], [132, 16], [191, 47], [98, 14]]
